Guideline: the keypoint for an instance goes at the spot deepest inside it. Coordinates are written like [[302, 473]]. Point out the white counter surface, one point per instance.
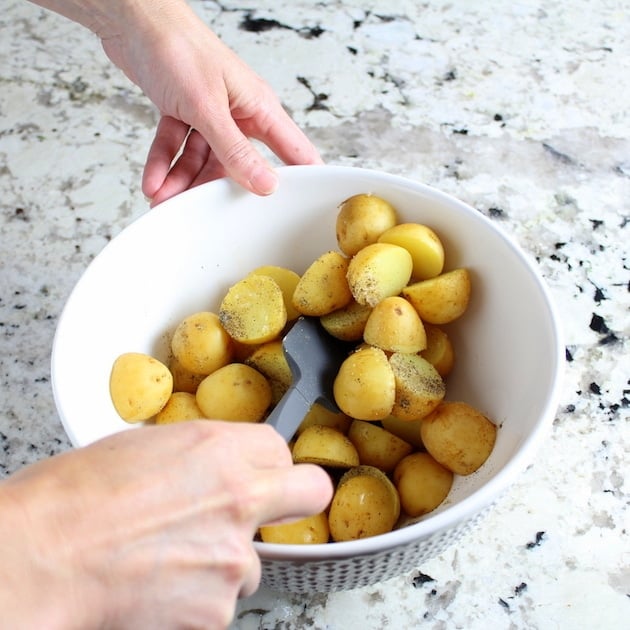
[[521, 109]]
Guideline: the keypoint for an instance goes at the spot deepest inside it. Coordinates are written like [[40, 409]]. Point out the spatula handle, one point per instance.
[[289, 413]]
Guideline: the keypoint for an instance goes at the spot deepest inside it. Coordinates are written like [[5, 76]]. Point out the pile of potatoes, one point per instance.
[[395, 444]]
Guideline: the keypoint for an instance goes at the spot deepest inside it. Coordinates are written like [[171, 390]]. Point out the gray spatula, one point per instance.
[[314, 357]]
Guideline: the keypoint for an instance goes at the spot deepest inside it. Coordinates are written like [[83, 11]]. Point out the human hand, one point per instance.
[[208, 98], [149, 528]]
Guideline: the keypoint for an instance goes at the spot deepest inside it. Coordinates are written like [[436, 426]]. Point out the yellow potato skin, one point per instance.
[[442, 299], [365, 388], [326, 446], [439, 351], [422, 483], [458, 436], [184, 380], [312, 530], [348, 322], [180, 407], [365, 504], [318, 414], [395, 326], [361, 219], [139, 386], [323, 287], [269, 359], [234, 392], [200, 343], [422, 243], [376, 446], [378, 271], [287, 280], [252, 311]]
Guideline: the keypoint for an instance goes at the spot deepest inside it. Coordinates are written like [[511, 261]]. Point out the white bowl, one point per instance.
[[182, 256]]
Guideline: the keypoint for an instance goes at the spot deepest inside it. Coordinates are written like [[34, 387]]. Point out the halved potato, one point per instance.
[[253, 310], [458, 436], [269, 359], [318, 414], [364, 387], [422, 483], [287, 280], [377, 446], [395, 326], [347, 323], [180, 407], [312, 530], [378, 271], [234, 392], [442, 299], [407, 430], [325, 446], [184, 380], [323, 287], [361, 220], [439, 351], [422, 243], [419, 387]]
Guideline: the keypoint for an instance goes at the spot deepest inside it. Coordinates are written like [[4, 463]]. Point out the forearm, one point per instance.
[[37, 585]]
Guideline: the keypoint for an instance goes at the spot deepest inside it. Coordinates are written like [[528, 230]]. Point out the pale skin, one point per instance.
[[153, 527], [150, 528], [206, 95]]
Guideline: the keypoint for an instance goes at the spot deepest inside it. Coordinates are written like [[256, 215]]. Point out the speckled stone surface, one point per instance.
[[520, 109]]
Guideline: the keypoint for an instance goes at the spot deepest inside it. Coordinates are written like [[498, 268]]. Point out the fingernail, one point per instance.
[[264, 181]]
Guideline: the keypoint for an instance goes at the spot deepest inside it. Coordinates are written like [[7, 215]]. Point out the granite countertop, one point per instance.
[[521, 109]]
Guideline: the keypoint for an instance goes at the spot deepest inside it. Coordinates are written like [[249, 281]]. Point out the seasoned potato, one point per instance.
[[312, 530], [347, 323], [442, 299], [323, 287], [287, 280], [200, 343], [361, 220], [318, 414], [378, 271], [377, 446], [325, 446], [253, 310], [458, 436], [270, 361], [365, 504], [184, 380], [139, 386], [395, 326], [439, 351], [422, 243], [234, 392], [181, 406], [419, 388], [422, 483], [364, 387], [407, 430]]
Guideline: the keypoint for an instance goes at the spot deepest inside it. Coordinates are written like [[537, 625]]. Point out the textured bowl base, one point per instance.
[[342, 574]]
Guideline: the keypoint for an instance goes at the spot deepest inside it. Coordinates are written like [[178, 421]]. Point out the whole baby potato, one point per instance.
[[365, 387], [422, 483], [326, 446], [287, 280], [181, 406], [378, 271], [376, 446], [422, 243], [361, 220], [395, 326], [348, 322], [312, 530], [365, 504], [234, 392], [201, 344], [139, 386], [323, 287], [442, 299], [419, 387], [458, 436], [253, 311]]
